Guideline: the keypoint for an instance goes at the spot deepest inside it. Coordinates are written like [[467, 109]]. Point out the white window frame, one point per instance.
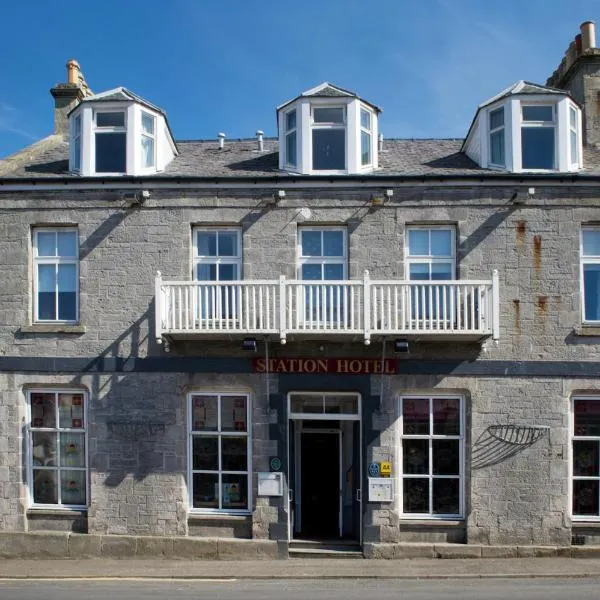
[[429, 259], [219, 434], [495, 130], [572, 477], [586, 260], [574, 136], [76, 141], [54, 260], [217, 260], [321, 260], [328, 126], [430, 476], [537, 125], [99, 130], [57, 430], [289, 132], [148, 136], [369, 132]]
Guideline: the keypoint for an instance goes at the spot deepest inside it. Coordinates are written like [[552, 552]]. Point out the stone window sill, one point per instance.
[[432, 522], [52, 328], [217, 517], [55, 512]]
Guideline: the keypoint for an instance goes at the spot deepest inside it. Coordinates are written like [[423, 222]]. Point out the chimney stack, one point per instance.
[[588, 36], [67, 96]]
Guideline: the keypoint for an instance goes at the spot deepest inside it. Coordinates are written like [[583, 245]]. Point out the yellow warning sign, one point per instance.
[[385, 468]]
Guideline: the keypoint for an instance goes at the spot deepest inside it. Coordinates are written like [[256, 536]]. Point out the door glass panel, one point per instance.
[[306, 404], [347, 406]]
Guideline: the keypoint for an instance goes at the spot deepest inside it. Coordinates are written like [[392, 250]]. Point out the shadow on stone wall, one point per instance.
[[500, 442]]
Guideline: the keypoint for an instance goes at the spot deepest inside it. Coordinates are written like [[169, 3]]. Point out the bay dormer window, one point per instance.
[[110, 142], [117, 133], [328, 131], [527, 128], [329, 138]]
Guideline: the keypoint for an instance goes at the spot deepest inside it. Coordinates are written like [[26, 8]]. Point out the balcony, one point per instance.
[[365, 308]]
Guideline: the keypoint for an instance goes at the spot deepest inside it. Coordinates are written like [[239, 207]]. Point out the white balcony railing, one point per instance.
[[355, 307]]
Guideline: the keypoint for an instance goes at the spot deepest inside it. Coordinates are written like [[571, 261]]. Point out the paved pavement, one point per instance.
[[100, 568]]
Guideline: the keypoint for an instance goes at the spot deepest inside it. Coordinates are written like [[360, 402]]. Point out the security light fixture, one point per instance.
[[401, 346], [249, 344]]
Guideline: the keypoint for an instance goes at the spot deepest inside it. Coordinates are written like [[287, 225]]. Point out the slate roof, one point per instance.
[[240, 158], [328, 90], [524, 87], [119, 94]]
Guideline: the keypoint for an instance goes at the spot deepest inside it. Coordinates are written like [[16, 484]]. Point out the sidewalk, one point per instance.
[[299, 568]]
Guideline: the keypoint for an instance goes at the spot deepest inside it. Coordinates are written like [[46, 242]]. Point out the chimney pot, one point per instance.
[[588, 35], [259, 136], [221, 137], [73, 71]]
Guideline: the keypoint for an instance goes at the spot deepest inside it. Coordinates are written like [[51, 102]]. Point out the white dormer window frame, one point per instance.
[[322, 125], [497, 137], [76, 143], [538, 120], [366, 137], [104, 127], [147, 141], [291, 138], [574, 136]]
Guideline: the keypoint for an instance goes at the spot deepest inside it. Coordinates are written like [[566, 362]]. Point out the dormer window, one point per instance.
[[537, 137], [497, 156], [111, 142], [574, 136], [290, 138], [118, 133], [148, 141], [328, 131], [329, 138]]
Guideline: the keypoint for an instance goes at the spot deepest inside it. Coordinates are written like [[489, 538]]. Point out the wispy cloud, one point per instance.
[[10, 117]]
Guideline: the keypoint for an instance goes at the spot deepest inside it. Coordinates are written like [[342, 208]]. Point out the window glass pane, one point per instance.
[[204, 413], [67, 295], [77, 126], [497, 118], [46, 243], [235, 491], [329, 149], [46, 292], [147, 123], [67, 243], [290, 148], [233, 413], [585, 497], [415, 496], [441, 242], [110, 119], [537, 147], [72, 450], [585, 458], [333, 273], [234, 453], [418, 242], [77, 153], [587, 417], [110, 152], [312, 272], [446, 416], [206, 272], [306, 404], [45, 486], [72, 487], [347, 405], [591, 242], [147, 151], [415, 456], [43, 452], [205, 490], [70, 411], [573, 118], [310, 243], [290, 120], [446, 496], [537, 113], [328, 115], [441, 271], [333, 243], [497, 147], [419, 272], [43, 410], [446, 457], [207, 243], [365, 119], [365, 148], [228, 243], [574, 146], [591, 290], [227, 272], [415, 416], [205, 453]]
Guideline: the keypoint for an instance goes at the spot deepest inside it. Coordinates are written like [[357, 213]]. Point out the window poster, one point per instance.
[[204, 413]]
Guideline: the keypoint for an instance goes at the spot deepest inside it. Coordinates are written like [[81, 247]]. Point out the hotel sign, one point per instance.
[[340, 366]]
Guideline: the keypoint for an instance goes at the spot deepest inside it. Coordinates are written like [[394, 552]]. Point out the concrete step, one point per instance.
[[324, 549]]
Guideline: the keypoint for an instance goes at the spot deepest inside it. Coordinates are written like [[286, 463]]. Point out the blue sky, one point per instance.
[[223, 65]]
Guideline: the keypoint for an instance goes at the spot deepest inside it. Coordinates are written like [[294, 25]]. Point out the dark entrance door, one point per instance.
[[320, 484]]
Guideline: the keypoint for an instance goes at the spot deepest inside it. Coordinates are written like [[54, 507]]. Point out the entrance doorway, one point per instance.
[[324, 466]]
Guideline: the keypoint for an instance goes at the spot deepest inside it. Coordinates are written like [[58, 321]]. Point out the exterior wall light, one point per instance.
[[401, 346], [249, 344]]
